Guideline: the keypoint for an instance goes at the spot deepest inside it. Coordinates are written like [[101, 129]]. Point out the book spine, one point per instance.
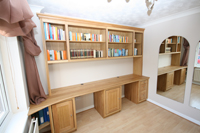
[[55, 55], [41, 116], [45, 32], [50, 32], [48, 55]]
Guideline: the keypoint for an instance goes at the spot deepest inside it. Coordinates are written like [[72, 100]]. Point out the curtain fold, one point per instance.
[[15, 20], [186, 46]]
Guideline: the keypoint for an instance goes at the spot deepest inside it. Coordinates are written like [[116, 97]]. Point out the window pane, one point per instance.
[[198, 58], [3, 101]]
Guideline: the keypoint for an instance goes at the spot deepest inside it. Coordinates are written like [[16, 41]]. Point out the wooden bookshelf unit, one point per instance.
[[81, 48]]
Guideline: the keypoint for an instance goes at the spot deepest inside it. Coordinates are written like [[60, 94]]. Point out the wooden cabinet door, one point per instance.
[[170, 80], [183, 72], [112, 101], [63, 116]]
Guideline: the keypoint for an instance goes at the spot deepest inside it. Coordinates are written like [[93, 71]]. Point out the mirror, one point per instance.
[[172, 68], [195, 90]]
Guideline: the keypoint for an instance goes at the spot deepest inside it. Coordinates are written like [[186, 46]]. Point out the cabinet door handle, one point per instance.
[[71, 115]]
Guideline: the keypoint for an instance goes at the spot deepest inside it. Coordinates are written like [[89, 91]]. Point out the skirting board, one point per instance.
[[86, 108], [175, 112]]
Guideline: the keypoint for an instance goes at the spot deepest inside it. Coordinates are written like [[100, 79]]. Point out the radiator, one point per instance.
[[196, 77], [34, 126]]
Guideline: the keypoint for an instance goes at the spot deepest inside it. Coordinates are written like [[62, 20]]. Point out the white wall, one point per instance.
[[66, 74], [164, 60], [188, 27]]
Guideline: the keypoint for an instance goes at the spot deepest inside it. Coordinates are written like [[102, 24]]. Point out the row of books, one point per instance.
[[117, 52], [42, 115], [85, 53], [169, 40], [56, 55], [53, 33], [117, 38], [84, 37]]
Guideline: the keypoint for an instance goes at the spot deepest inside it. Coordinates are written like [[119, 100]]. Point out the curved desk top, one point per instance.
[[167, 69], [64, 93]]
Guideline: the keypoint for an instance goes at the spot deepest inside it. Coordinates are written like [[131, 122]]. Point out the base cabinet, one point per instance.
[[170, 80], [136, 92], [108, 102], [165, 81], [64, 116], [179, 76]]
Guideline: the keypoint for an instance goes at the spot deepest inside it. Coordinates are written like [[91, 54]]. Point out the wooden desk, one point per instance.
[[170, 75], [107, 96]]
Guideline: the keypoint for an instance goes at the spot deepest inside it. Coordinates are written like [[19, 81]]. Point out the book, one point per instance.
[[55, 55], [45, 114], [50, 31], [58, 55], [41, 116], [51, 53], [135, 51], [45, 31], [48, 55]]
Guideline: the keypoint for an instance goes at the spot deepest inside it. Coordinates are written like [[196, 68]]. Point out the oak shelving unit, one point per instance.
[[65, 96]]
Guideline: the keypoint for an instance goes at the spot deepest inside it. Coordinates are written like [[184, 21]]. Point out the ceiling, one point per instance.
[[133, 13]]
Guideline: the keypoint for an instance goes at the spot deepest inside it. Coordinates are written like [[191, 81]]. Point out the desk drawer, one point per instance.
[[142, 95], [143, 85]]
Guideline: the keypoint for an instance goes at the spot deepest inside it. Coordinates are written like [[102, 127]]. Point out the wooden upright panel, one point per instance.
[[137, 65], [63, 117], [45, 57]]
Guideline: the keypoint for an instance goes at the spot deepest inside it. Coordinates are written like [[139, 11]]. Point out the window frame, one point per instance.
[[7, 115], [196, 55]]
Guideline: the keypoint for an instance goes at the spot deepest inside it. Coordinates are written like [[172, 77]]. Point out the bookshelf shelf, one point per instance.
[[136, 56], [86, 42], [172, 43], [55, 40], [120, 57], [137, 43], [86, 59], [44, 125], [57, 61], [119, 42], [170, 53]]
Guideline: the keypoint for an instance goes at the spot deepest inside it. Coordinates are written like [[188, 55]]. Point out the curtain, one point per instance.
[[186, 52], [15, 20]]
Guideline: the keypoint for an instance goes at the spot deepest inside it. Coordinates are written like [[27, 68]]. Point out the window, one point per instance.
[[197, 57], [4, 110]]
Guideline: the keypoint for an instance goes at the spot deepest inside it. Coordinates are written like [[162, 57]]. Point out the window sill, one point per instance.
[[17, 123]]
